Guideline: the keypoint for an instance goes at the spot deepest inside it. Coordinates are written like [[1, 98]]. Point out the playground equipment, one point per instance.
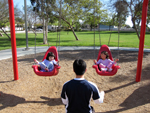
[[141, 44], [13, 39], [52, 49], [142, 38], [114, 68], [56, 67], [106, 48]]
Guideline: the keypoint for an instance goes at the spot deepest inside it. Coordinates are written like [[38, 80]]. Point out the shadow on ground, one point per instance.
[[139, 97], [9, 100]]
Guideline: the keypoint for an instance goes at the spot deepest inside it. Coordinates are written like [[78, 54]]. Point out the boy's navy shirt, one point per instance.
[[79, 94]]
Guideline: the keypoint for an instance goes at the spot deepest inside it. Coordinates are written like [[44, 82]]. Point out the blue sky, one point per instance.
[[20, 4]]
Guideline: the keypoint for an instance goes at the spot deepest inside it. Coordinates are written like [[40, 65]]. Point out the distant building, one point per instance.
[[17, 28], [52, 28], [100, 26], [105, 27], [6, 28]]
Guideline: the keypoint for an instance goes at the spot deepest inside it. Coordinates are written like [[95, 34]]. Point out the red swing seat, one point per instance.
[[55, 71], [114, 68]]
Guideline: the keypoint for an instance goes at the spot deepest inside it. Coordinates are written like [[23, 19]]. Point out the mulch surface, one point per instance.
[[36, 94]]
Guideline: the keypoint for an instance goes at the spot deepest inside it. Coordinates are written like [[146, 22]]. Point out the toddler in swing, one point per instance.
[[48, 64], [104, 63]]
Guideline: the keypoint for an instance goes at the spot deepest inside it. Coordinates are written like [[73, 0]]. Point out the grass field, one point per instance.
[[86, 38]]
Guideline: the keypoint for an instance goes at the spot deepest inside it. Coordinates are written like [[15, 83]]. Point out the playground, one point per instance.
[[36, 94], [29, 93]]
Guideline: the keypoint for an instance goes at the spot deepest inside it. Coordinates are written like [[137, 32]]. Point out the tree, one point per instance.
[[135, 7], [97, 15], [19, 21], [121, 7], [4, 15], [135, 11], [32, 17], [74, 10], [69, 11], [44, 9]]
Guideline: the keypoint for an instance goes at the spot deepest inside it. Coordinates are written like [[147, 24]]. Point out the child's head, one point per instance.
[[79, 66], [104, 55], [50, 56]]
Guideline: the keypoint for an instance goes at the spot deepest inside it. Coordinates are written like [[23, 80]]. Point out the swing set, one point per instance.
[[106, 48], [141, 44], [52, 49]]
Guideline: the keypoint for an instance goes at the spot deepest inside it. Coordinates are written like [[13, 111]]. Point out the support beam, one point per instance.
[[142, 37], [13, 39]]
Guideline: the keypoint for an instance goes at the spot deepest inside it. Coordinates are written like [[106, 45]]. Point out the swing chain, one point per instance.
[[59, 28], [110, 34], [94, 29], [118, 38], [35, 38]]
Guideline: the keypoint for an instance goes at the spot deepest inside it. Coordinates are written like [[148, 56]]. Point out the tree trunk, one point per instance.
[[67, 32], [109, 27], [46, 28], [74, 33], [44, 37], [70, 27], [6, 33], [91, 27], [136, 30]]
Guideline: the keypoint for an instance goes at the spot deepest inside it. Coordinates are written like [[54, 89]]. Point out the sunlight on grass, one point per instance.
[[126, 39]]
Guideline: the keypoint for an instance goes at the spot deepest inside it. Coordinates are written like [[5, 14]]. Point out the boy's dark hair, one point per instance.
[[105, 53], [79, 66], [50, 54]]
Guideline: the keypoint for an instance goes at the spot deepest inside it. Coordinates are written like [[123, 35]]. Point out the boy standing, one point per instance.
[[77, 93]]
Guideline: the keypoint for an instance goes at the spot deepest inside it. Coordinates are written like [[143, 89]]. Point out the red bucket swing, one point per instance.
[[114, 68], [56, 67]]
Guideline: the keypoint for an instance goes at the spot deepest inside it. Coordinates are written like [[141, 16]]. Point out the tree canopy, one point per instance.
[[69, 11], [133, 8]]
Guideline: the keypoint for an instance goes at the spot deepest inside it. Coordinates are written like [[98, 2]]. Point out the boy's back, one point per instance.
[[79, 93]]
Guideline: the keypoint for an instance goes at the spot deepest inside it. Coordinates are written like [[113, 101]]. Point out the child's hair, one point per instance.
[[50, 54], [105, 53], [79, 66]]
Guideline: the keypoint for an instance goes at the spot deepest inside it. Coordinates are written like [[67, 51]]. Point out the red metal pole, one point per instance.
[[13, 38], [142, 37]]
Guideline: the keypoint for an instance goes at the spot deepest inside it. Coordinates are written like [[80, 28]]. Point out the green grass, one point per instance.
[[86, 38]]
